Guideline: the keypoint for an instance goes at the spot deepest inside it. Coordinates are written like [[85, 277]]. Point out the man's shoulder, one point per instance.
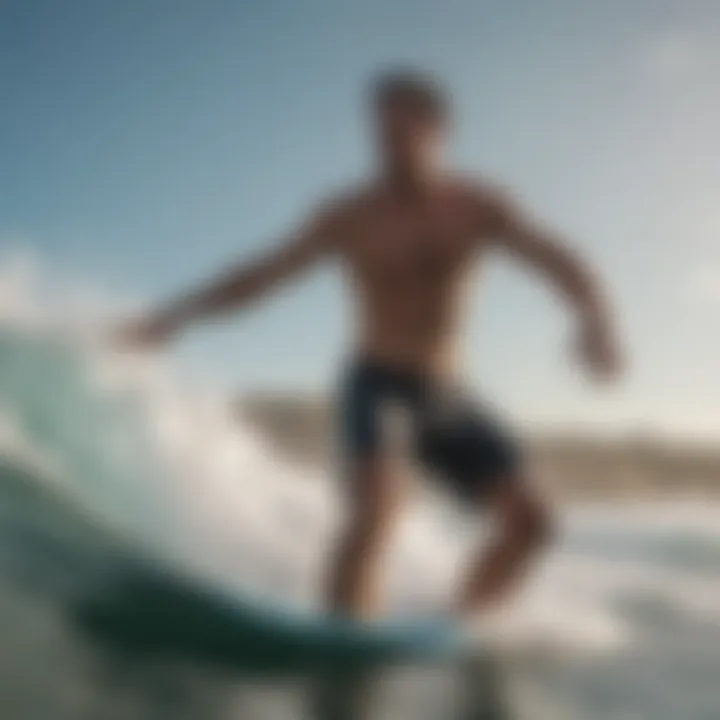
[[479, 191], [492, 203], [345, 204]]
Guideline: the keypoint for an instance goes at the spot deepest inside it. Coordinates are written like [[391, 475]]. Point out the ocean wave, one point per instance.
[[171, 467]]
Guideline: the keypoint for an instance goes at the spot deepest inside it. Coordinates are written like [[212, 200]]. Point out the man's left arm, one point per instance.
[[541, 249]]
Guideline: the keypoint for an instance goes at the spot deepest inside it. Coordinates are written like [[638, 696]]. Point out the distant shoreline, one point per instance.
[[637, 465]]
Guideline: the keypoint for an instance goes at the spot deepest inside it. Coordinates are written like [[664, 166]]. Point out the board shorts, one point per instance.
[[455, 438]]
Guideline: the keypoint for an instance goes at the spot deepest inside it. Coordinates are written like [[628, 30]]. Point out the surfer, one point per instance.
[[407, 241]]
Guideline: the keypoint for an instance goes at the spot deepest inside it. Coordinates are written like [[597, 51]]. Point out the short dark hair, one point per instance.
[[419, 90]]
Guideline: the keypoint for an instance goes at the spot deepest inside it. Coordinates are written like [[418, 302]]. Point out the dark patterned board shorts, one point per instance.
[[385, 409]]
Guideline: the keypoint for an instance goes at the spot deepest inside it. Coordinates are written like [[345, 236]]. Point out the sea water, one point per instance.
[[107, 460]]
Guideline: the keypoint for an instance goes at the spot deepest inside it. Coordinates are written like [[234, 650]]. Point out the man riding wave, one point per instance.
[[407, 242]]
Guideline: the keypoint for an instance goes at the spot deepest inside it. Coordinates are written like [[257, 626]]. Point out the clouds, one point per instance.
[[33, 293], [18, 273], [679, 56], [700, 258], [702, 284], [674, 56]]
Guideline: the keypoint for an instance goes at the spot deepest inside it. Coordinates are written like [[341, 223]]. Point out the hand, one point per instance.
[[599, 352], [147, 333]]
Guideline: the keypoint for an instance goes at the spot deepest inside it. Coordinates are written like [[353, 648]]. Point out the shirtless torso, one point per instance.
[[408, 260]]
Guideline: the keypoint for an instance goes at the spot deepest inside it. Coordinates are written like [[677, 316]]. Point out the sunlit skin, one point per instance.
[[408, 242]]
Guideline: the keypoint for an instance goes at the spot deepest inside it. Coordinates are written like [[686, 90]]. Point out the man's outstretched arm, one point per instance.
[[242, 284], [536, 246]]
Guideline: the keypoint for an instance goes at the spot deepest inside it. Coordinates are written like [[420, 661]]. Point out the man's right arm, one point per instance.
[[244, 283]]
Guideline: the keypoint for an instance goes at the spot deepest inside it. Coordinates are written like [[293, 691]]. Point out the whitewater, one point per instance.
[[622, 620]]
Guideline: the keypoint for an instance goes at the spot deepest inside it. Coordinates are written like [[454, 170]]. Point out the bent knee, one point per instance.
[[529, 519], [541, 523]]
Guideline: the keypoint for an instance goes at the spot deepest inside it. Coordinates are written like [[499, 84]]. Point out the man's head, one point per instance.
[[412, 114]]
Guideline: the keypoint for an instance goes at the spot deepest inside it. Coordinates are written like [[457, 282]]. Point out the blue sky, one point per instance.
[[144, 144]]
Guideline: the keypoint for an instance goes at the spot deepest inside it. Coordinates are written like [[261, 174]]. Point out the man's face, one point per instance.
[[407, 135]]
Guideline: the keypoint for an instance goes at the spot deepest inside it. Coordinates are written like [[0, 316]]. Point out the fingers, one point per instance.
[[140, 334], [600, 355], [606, 362]]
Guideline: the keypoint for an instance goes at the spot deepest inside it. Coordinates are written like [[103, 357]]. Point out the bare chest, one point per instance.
[[411, 247]]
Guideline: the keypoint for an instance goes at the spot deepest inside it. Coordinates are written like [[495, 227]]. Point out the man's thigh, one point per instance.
[[465, 445]]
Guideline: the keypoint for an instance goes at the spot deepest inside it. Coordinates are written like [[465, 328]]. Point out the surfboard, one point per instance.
[[146, 608], [157, 614]]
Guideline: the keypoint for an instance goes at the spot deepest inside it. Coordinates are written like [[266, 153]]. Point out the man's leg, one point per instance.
[[356, 572], [482, 462], [522, 529]]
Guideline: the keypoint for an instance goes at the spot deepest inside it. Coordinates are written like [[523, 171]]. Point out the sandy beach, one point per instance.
[[634, 466]]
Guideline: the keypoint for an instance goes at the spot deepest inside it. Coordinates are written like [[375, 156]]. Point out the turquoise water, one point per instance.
[[127, 501]]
